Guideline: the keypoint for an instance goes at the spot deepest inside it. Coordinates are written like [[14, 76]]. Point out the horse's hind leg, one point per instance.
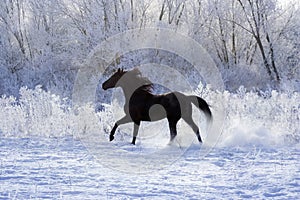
[[191, 123], [173, 130], [135, 132]]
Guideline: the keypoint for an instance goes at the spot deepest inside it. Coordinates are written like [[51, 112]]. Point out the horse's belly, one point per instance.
[[157, 112], [154, 113]]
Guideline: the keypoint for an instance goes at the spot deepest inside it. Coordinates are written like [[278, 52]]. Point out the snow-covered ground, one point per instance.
[[62, 168], [49, 151]]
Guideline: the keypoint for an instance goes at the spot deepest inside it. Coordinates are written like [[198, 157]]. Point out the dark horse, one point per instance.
[[142, 105]]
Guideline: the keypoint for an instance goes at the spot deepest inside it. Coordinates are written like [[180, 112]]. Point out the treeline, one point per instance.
[[42, 42]]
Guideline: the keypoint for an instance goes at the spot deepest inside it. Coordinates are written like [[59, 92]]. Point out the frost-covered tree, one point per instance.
[[258, 14], [42, 42]]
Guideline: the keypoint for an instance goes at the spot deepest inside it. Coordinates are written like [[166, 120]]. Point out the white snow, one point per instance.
[[61, 168]]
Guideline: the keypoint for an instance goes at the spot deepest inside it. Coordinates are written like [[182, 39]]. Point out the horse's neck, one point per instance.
[[128, 91]]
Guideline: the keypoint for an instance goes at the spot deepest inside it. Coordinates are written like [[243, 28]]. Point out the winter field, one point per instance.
[[45, 152], [55, 119]]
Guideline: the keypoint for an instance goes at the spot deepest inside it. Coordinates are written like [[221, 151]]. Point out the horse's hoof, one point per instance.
[[111, 138], [133, 140], [199, 139]]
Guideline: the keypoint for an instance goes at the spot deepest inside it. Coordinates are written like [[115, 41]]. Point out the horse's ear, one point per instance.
[[119, 70]]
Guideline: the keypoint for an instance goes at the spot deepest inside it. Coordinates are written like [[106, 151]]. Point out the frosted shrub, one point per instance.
[[44, 111], [86, 121], [261, 119], [36, 113], [12, 116], [256, 118], [40, 113], [265, 118]]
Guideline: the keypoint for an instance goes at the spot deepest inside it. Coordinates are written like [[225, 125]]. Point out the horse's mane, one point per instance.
[[135, 75]]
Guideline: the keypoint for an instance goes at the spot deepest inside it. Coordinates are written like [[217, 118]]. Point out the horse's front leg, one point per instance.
[[135, 132], [124, 120]]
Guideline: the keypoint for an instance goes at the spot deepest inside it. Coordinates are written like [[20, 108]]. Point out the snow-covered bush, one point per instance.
[[268, 118], [35, 113], [43, 114], [265, 118]]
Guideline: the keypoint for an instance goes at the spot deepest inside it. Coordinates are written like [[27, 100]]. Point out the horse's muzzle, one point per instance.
[[104, 86]]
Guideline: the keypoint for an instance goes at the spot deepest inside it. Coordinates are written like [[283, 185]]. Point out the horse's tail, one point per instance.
[[202, 105]]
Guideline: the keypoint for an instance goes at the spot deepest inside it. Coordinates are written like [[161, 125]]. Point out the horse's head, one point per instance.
[[113, 80]]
